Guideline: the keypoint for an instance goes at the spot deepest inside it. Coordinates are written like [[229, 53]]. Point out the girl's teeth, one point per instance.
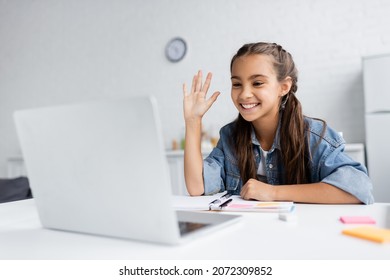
[[248, 106]]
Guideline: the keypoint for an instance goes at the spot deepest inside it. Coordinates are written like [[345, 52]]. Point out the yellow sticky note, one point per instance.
[[268, 204], [371, 233]]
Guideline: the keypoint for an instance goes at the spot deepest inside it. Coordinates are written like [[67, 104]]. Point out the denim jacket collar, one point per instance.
[[276, 144]]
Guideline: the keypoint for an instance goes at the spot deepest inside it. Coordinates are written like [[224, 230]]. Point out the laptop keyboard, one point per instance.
[[187, 227]]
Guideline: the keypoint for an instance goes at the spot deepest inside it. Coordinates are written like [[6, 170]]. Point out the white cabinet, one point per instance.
[[376, 73], [15, 167], [356, 152], [176, 167]]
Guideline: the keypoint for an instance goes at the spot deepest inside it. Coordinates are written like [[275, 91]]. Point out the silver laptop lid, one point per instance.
[[100, 168]]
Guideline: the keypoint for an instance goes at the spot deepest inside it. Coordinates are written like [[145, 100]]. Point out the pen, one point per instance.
[[219, 200], [226, 195], [225, 203], [215, 201]]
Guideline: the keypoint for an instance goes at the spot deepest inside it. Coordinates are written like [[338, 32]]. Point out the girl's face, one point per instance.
[[256, 92]]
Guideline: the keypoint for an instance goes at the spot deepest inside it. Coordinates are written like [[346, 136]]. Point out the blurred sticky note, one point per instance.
[[370, 233], [357, 220]]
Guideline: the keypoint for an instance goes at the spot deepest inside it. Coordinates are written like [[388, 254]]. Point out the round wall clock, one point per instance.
[[176, 49]]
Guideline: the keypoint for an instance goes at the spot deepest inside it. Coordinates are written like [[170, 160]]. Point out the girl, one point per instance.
[[271, 151]]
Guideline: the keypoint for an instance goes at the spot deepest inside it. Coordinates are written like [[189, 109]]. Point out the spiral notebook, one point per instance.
[[232, 203]]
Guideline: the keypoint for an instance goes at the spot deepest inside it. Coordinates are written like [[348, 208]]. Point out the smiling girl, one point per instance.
[[271, 151]]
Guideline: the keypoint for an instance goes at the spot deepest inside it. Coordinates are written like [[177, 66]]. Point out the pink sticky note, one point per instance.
[[357, 220]]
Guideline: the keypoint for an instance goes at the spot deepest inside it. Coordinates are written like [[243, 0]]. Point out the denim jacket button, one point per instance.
[[270, 166]]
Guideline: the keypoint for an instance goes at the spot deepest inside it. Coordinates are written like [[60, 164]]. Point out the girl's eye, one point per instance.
[[257, 84], [236, 85]]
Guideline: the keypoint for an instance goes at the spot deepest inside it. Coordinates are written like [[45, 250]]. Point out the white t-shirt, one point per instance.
[[261, 173]]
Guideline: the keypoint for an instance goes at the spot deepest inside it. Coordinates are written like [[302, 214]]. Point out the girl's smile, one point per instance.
[[249, 106]]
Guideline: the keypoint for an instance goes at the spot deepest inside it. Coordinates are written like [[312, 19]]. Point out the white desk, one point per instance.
[[316, 235]]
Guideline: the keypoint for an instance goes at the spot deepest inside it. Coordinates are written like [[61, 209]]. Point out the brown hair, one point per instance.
[[293, 140]]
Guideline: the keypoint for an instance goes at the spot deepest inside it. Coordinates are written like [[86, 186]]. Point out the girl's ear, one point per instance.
[[286, 85]]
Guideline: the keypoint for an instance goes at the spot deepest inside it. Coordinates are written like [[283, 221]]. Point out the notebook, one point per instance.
[[231, 203], [100, 168]]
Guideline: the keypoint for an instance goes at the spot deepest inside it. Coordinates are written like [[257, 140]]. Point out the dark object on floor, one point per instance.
[[14, 189]]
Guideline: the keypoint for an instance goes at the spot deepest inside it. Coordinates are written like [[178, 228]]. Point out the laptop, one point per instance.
[[100, 168]]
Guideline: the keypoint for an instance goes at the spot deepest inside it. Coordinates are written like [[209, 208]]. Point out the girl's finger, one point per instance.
[[199, 81], [193, 84], [242, 192], [213, 98], [207, 82]]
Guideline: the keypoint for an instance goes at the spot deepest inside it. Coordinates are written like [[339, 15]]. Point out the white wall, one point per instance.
[[65, 51]]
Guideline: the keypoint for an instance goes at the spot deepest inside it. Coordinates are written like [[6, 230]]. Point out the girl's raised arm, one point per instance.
[[195, 105]]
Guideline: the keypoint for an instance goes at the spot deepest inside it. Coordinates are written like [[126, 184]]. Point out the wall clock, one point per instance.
[[176, 49]]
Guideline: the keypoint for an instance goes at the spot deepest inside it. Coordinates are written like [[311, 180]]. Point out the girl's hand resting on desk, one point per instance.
[[254, 189], [195, 103]]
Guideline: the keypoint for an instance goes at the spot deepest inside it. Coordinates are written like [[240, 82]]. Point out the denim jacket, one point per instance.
[[329, 163]]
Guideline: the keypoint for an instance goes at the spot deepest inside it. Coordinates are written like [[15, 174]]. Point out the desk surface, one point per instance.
[[315, 235]]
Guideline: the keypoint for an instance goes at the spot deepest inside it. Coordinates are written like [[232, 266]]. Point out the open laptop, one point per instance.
[[101, 168]]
